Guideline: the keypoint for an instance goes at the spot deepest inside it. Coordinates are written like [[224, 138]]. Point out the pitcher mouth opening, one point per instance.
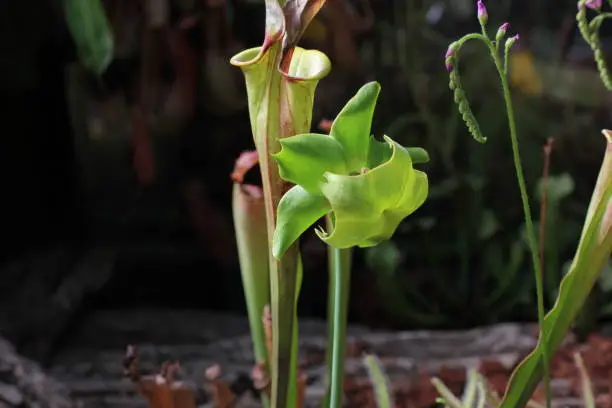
[[308, 64], [246, 57], [305, 64]]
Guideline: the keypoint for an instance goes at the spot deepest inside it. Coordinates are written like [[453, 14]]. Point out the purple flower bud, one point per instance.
[[510, 41], [593, 4], [449, 57], [501, 31], [483, 15]]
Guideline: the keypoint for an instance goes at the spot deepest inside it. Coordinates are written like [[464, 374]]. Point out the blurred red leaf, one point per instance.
[[245, 162], [143, 160]]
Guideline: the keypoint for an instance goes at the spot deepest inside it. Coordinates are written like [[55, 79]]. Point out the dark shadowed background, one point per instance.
[[105, 208]]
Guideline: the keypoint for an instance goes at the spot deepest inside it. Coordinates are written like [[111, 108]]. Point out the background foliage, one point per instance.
[[153, 139]]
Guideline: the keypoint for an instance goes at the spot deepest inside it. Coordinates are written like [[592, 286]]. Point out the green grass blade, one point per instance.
[[592, 255], [587, 387], [380, 382]]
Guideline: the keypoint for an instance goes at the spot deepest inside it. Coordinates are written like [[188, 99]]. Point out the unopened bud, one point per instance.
[[501, 31], [483, 15], [510, 41], [449, 57], [593, 4]]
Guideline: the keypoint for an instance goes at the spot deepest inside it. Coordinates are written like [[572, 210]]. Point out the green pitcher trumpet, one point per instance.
[[281, 79]]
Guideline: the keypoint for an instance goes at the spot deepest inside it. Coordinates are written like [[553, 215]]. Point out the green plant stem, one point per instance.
[[533, 245], [284, 286], [339, 287]]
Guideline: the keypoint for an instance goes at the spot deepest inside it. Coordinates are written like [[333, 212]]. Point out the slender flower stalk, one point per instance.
[[592, 254], [472, 124], [533, 245]]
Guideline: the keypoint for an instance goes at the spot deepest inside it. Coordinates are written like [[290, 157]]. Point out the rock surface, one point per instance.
[[91, 365], [42, 290], [24, 385]]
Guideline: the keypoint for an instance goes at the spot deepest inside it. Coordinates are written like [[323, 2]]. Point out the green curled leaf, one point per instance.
[[368, 207], [417, 154], [380, 152], [304, 158], [297, 211], [352, 125]]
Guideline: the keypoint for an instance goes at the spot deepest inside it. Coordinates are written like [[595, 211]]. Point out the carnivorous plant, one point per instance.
[[364, 187]]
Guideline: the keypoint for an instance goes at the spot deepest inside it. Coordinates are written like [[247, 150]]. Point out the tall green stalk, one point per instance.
[[339, 267], [452, 60], [281, 79], [533, 244]]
